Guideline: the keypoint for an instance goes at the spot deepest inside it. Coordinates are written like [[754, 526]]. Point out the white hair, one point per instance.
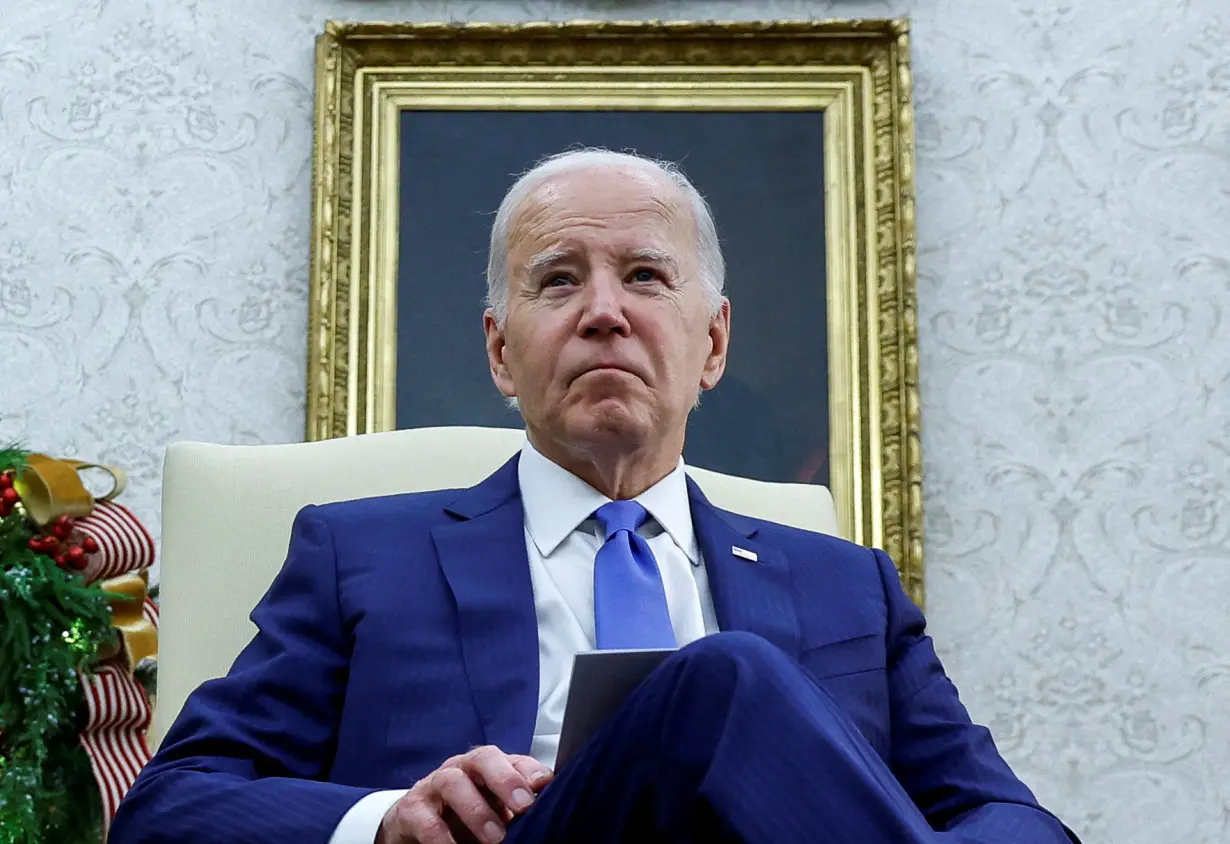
[[711, 264]]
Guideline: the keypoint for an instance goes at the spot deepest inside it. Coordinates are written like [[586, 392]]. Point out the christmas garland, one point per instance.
[[60, 637]]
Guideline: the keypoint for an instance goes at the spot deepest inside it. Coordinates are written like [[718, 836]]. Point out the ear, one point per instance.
[[496, 347], [719, 343]]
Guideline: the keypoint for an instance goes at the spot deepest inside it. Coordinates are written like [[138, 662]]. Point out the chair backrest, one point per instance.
[[227, 513]]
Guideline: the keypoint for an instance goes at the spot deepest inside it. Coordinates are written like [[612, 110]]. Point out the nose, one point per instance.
[[604, 307]]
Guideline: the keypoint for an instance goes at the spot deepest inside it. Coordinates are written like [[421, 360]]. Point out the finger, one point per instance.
[[502, 812], [459, 793], [491, 768], [460, 833], [417, 820], [535, 773]]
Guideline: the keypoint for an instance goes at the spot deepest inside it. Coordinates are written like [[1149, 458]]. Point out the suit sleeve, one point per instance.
[[948, 764], [247, 758]]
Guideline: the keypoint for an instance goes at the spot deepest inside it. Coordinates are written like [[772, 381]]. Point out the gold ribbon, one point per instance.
[[137, 638], [50, 488]]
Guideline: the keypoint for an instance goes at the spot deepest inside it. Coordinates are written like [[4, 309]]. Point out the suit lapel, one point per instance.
[[751, 596], [483, 557]]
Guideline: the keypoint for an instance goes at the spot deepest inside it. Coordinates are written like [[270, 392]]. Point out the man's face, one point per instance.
[[608, 338]]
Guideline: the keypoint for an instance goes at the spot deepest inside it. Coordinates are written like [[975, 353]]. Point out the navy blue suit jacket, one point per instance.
[[402, 631]]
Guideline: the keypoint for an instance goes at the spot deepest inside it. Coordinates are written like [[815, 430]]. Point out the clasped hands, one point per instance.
[[471, 797]]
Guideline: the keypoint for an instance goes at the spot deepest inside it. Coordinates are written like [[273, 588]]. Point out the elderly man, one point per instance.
[[407, 683]]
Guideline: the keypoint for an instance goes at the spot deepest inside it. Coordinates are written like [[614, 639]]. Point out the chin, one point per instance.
[[610, 420]]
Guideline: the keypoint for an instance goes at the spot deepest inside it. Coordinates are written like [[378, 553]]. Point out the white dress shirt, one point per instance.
[[561, 540]]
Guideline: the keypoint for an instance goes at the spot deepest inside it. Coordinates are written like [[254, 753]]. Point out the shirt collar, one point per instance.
[[557, 501]]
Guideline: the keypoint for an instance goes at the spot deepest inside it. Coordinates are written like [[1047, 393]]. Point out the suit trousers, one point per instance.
[[729, 740]]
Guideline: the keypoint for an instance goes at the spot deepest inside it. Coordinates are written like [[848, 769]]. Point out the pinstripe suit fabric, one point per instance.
[[402, 631]]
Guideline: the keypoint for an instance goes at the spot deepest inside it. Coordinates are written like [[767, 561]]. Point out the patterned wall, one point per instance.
[[1074, 207]]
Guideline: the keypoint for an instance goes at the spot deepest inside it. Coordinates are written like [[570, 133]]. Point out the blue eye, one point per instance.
[[645, 275], [557, 281]]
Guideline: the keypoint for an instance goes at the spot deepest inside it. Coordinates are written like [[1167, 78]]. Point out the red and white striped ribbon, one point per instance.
[[124, 545], [119, 711], [114, 737], [150, 611]]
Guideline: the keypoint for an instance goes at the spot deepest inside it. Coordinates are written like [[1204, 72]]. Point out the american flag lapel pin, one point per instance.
[[744, 554]]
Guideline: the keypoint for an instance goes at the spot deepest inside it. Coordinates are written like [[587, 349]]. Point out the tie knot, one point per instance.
[[621, 515]]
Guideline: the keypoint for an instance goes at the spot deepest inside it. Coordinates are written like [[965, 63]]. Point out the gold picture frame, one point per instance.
[[856, 73]]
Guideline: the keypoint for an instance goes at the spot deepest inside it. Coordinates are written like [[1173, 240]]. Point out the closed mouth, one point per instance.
[[604, 367]]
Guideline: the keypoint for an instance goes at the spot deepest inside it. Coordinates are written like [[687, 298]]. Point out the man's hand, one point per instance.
[[475, 794]]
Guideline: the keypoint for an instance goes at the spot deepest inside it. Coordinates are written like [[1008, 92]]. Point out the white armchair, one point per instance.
[[227, 513]]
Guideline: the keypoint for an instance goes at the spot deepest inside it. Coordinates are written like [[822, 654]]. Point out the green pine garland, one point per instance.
[[51, 625]]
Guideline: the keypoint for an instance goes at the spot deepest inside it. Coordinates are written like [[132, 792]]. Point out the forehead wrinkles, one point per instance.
[[565, 200], [617, 212], [543, 238]]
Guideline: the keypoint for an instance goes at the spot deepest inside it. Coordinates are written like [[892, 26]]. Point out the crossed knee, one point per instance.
[[734, 645], [718, 661]]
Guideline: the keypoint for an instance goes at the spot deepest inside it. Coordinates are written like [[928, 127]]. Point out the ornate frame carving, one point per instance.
[[857, 71]]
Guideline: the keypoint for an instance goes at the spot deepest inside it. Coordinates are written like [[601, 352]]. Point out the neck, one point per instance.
[[615, 470]]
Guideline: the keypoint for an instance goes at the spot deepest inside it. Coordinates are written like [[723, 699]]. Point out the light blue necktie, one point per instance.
[[629, 601]]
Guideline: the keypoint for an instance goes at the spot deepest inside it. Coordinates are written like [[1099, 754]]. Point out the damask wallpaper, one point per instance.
[[1074, 212]]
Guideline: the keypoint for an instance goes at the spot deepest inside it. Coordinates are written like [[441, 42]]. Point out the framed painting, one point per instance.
[[800, 136]]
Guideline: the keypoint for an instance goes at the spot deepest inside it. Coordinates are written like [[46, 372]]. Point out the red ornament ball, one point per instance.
[[90, 546], [63, 527], [6, 480], [36, 544], [9, 496], [76, 557], [61, 560]]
